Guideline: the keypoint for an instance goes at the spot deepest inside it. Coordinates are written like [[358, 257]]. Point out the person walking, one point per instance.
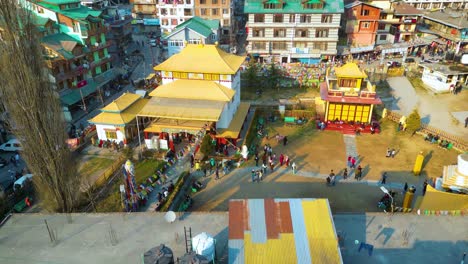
[[252, 174], [281, 159], [424, 187], [293, 166], [285, 140], [466, 122], [286, 160], [345, 173], [353, 162], [332, 178], [217, 173], [405, 188], [260, 175], [204, 171], [256, 160], [349, 161], [264, 167], [358, 173], [384, 178]]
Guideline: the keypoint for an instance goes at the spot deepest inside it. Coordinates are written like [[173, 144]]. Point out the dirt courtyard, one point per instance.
[[316, 153]]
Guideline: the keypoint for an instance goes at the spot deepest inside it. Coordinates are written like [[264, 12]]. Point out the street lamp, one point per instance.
[[384, 190]]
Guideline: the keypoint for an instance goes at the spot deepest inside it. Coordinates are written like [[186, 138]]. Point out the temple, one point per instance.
[[348, 95], [200, 92]]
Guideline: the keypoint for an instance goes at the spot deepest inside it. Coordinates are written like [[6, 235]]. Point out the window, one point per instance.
[[111, 134], [194, 41], [305, 19], [365, 25], [214, 2], [292, 18], [272, 6], [327, 18], [172, 12], [213, 37], [259, 18], [279, 46], [187, 12], [76, 27], [184, 75], [225, 32], [188, 2], [258, 32], [382, 37], [225, 11], [223, 2], [73, 5], [176, 75], [211, 77], [225, 22], [300, 44], [381, 26], [321, 45], [279, 33], [214, 11], [383, 16], [321, 33], [203, 11], [277, 18], [313, 6], [164, 11], [407, 27], [301, 33], [202, 2], [176, 43], [259, 45], [364, 12]]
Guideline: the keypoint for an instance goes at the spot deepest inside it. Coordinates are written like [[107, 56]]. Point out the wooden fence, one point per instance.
[[101, 180], [301, 113], [458, 143]]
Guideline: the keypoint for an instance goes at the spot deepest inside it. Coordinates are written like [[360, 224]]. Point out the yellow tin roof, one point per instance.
[[184, 109], [202, 58], [170, 124], [236, 123], [194, 89], [350, 70], [121, 103], [120, 118]]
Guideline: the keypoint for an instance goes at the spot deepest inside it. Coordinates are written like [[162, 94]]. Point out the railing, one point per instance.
[[458, 142], [93, 48], [101, 180]]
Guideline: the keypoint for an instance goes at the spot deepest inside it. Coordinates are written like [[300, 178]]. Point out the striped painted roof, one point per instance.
[[282, 231]]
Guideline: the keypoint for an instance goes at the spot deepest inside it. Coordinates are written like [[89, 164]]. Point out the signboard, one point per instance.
[[362, 49], [163, 144], [300, 50], [151, 21]]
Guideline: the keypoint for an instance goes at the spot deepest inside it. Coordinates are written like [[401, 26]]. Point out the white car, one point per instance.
[[11, 145]]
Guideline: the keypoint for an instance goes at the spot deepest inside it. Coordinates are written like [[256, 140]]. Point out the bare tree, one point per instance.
[[34, 109]]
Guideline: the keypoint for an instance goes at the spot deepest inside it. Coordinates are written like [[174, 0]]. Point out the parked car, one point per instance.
[[11, 145], [410, 60], [22, 181], [431, 60], [393, 64]]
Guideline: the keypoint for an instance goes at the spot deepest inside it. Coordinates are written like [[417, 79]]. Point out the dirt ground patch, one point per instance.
[[92, 165], [372, 150]]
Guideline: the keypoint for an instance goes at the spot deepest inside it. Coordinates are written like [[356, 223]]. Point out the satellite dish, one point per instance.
[[170, 216]]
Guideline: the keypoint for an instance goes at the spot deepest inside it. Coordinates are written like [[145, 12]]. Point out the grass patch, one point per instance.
[[417, 83], [143, 170], [94, 165]]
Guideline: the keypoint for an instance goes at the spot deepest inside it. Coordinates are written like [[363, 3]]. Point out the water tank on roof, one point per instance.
[[193, 258], [159, 255]]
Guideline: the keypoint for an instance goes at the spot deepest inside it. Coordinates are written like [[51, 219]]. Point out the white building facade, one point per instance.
[[171, 13]]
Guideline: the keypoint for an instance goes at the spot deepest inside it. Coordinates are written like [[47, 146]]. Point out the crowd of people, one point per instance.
[[435, 139]]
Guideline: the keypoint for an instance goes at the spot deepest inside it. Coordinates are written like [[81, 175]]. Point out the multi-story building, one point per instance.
[[293, 31], [144, 9], [193, 31], [171, 13], [120, 31], [74, 36], [95, 4], [438, 4], [217, 9], [450, 24], [360, 24], [397, 22]]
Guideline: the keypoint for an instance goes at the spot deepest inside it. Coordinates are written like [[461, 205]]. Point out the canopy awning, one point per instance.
[[236, 123], [74, 95], [175, 126], [183, 109], [120, 118]]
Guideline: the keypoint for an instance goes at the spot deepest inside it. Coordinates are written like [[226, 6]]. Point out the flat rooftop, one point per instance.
[[123, 238]]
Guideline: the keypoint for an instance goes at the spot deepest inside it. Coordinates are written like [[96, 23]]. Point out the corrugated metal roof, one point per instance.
[[282, 231]]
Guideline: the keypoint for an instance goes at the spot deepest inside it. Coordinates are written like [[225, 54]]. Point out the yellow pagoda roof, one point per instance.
[[194, 89], [236, 123], [351, 70], [202, 58], [183, 109], [121, 103], [120, 118]]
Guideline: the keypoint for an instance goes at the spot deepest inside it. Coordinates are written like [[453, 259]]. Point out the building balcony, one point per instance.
[[79, 70], [100, 62], [100, 46]]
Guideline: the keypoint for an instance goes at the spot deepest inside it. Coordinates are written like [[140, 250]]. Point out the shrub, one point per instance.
[[207, 147], [177, 187], [127, 152], [147, 154], [413, 122]]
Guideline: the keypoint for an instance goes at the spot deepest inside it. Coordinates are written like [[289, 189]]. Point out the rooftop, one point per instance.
[[194, 89], [356, 3], [350, 69], [202, 26], [80, 13], [294, 7], [406, 9], [121, 103], [60, 43], [282, 231], [448, 17], [120, 118], [200, 58], [446, 69], [122, 238]]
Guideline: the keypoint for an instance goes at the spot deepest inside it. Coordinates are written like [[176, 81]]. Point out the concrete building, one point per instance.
[[296, 31], [200, 92], [144, 9], [193, 31], [95, 4], [360, 23], [397, 22], [221, 10], [74, 38], [438, 4], [120, 32], [442, 78], [171, 13]]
